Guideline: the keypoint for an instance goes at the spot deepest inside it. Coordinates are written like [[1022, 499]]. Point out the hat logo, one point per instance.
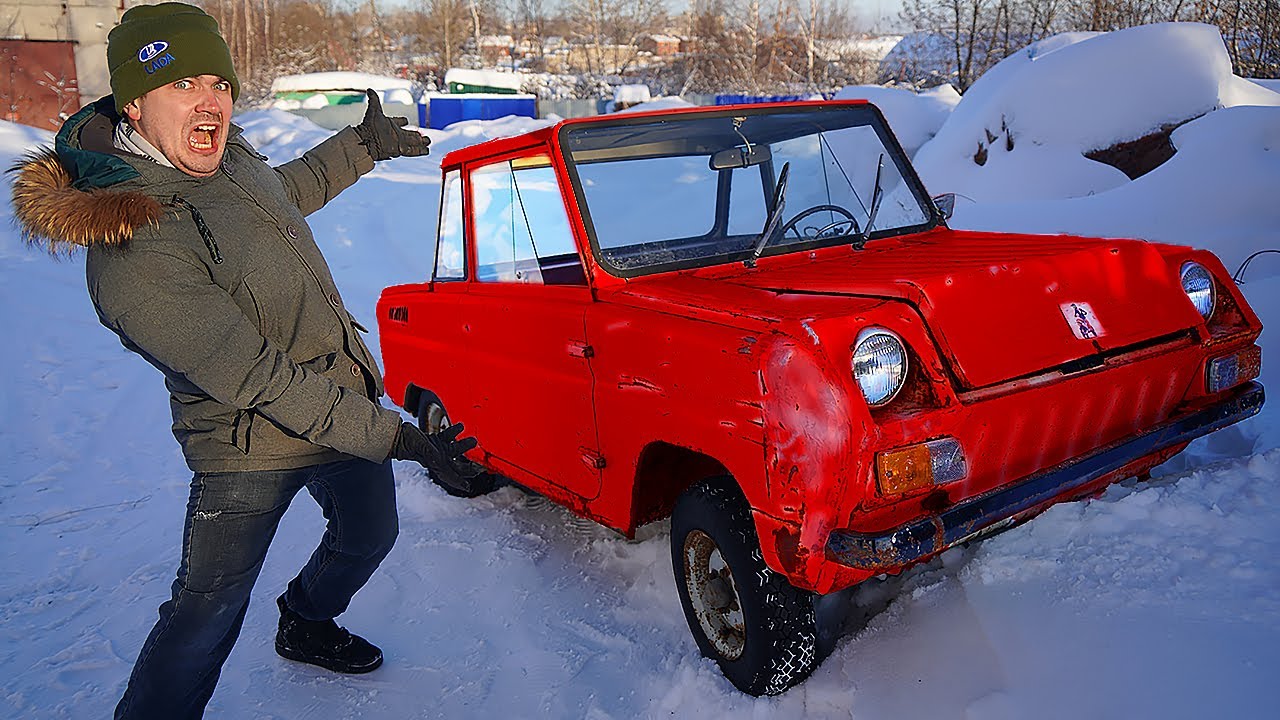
[[150, 50]]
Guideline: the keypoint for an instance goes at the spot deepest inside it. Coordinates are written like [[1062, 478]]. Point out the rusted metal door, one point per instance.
[[38, 82]]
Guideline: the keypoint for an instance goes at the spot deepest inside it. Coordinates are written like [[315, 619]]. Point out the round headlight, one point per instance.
[[1197, 283], [879, 365]]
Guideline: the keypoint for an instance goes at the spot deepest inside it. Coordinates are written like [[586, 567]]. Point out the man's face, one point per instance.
[[187, 120]]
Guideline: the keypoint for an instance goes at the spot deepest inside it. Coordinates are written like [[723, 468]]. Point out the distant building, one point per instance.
[[54, 57], [659, 45], [496, 49]]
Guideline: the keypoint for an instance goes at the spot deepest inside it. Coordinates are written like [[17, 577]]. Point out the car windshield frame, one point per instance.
[[597, 142]]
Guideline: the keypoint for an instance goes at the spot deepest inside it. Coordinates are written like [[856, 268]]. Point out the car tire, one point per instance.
[[760, 629], [432, 418]]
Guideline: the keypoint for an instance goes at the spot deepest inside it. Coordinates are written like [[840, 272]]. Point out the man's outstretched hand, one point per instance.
[[441, 453], [385, 137]]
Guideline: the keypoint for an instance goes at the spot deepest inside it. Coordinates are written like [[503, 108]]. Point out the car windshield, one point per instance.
[[696, 189]]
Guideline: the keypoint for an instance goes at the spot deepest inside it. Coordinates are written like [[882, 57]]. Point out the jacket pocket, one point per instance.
[[244, 296]]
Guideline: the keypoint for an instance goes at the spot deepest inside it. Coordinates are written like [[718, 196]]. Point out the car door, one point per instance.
[[527, 354]]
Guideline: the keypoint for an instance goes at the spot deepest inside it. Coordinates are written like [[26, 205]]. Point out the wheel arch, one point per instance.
[[412, 397], [664, 471]]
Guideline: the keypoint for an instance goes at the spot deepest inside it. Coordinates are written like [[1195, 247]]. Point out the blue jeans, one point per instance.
[[231, 519]]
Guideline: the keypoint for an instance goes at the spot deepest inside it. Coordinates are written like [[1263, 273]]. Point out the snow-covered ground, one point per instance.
[[1155, 600]]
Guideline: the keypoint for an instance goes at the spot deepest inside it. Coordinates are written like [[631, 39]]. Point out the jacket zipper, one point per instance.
[[205, 234]]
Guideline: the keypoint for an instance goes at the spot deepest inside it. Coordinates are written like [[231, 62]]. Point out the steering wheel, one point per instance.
[[847, 220]]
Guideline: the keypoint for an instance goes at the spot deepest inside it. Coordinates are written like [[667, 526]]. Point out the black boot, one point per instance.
[[323, 643]]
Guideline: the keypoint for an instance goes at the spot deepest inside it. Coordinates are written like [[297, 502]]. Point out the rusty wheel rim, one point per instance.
[[713, 595], [436, 419]]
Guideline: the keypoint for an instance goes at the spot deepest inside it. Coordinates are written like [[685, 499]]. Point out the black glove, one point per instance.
[[441, 453], [385, 137]]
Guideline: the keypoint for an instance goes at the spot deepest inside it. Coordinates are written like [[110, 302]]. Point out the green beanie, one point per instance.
[[155, 45]]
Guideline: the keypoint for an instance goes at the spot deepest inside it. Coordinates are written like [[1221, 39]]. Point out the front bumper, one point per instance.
[[988, 512]]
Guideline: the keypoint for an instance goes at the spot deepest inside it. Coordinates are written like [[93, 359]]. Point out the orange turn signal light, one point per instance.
[[920, 466], [1231, 370]]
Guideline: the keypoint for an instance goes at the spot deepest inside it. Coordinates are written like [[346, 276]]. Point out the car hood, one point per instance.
[[1004, 306]]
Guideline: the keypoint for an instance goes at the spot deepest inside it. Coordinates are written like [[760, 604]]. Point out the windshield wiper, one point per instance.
[[775, 216], [876, 194]]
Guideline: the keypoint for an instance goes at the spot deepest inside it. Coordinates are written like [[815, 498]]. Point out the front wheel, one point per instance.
[[432, 418], [760, 629]]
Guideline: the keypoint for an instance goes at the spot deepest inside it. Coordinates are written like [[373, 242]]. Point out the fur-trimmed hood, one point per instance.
[[52, 213], [85, 192]]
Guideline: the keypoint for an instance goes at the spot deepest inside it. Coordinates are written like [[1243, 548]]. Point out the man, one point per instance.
[[200, 260]]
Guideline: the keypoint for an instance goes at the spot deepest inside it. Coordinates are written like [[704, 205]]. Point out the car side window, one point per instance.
[[522, 232], [450, 263]]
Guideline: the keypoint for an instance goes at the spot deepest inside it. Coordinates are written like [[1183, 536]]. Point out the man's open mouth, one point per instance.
[[202, 136]]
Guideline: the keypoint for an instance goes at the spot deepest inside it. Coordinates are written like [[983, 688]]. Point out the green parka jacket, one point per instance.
[[218, 283]]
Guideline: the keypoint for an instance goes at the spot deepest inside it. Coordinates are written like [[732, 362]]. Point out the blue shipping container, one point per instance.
[[448, 110]]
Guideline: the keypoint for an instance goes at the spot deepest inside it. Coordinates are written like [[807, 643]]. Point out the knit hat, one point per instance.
[[155, 45]]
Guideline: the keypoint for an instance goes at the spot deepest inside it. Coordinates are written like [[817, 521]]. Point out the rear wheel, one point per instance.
[[760, 629], [432, 418]]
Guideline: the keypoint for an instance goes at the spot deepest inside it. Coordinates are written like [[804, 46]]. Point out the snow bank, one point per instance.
[[661, 103], [488, 78], [1038, 111], [914, 117], [631, 94], [318, 82], [1216, 192]]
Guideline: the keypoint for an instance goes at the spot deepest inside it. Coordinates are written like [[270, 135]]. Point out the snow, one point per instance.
[[634, 93], [341, 80], [1156, 599], [672, 102], [914, 117], [1069, 95], [487, 78]]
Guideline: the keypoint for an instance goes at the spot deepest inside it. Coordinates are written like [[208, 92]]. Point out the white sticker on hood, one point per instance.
[[1084, 323]]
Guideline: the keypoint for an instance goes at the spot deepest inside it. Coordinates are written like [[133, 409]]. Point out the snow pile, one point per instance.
[[631, 94], [661, 103], [1023, 128], [342, 80], [485, 78], [1215, 193], [914, 117]]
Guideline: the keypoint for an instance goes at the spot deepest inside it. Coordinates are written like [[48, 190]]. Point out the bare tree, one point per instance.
[[1251, 31], [607, 31]]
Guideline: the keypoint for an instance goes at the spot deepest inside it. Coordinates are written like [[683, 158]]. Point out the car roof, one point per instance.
[[543, 136]]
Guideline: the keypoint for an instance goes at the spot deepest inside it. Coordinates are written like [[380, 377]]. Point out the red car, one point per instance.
[[754, 320]]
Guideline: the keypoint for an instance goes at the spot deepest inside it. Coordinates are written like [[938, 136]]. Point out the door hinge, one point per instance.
[[592, 458], [581, 349]]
